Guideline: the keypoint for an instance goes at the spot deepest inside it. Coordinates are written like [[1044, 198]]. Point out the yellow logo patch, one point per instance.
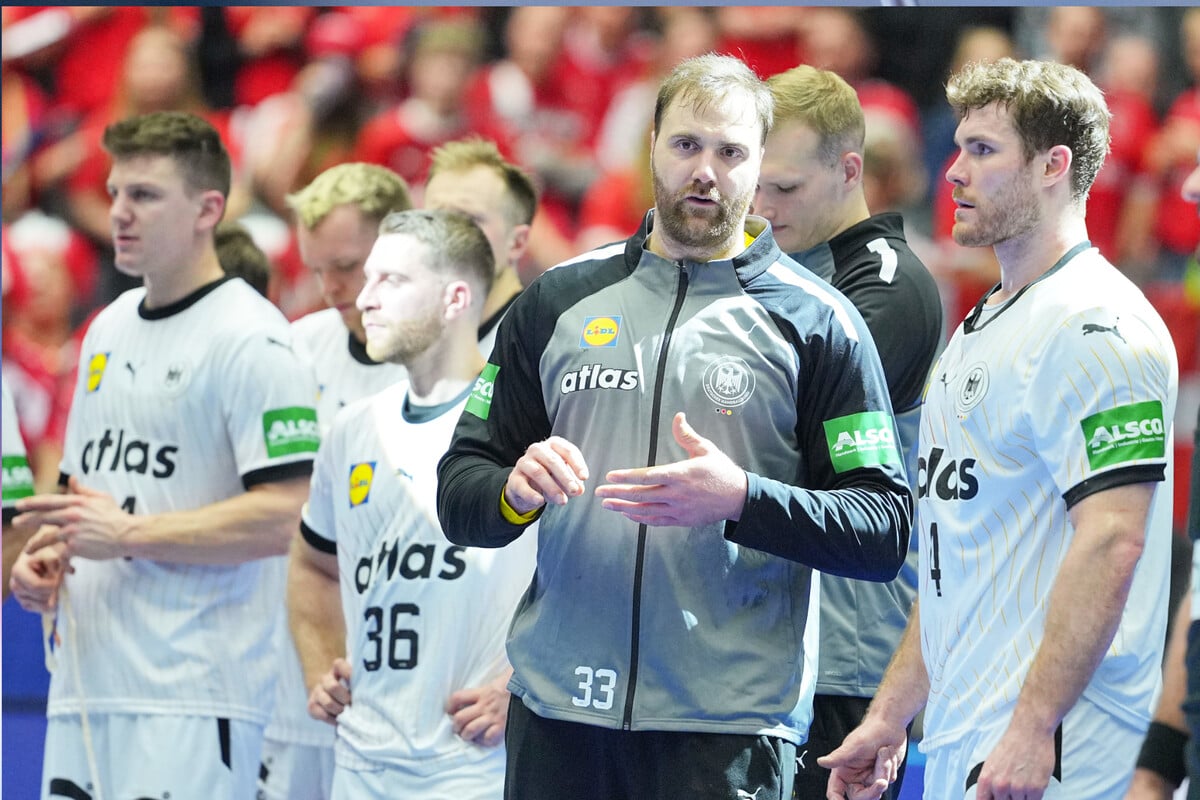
[[95, 373], [600, 332], [361, 475]]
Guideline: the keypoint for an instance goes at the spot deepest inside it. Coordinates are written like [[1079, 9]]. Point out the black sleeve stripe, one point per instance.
[[9, 513], [63, 480], [223, 741], [1148, 473], [278, 472], [318, 541]]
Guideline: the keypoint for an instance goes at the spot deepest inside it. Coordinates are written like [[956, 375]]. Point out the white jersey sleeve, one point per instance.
[[1097, 401]]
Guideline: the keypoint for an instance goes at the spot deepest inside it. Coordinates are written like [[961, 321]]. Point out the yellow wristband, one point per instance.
[[510, 514]]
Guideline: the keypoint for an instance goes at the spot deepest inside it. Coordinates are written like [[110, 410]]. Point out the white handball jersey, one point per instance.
[[18, 477], [344, 373], [174, 409], [1066, 390], [343, 370], [424, 618]]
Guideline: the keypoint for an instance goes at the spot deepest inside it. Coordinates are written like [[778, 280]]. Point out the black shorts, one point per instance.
[[834, 716], [551, 760]]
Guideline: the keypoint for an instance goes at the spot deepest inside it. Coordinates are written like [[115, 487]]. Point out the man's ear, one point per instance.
[[852, 169], [456, 299], [1058, 160], [518, 242], [212, 209]]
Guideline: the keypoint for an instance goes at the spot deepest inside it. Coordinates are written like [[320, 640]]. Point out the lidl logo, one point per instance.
[[18, 479], [861, 440], [95, 372], [1133, 432], [480, 401], [291, 430], [600, 332], [361, 475]]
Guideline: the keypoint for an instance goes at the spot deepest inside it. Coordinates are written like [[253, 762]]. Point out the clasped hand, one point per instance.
[[705, 487]]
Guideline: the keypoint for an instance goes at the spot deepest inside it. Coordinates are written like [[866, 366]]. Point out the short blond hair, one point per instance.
[[823, 101], [374, 190], [711, 78], [466, 154]]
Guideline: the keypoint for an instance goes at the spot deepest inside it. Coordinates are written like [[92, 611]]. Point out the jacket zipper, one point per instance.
[[651, 460]]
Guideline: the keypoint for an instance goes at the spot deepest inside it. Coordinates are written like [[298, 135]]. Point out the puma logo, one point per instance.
[[284, 345], [744, 795], [1091, 327]]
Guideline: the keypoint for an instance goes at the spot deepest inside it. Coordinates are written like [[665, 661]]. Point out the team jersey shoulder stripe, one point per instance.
[[599, 254], [813, 288]]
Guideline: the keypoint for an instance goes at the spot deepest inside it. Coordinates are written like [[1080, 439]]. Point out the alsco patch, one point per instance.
[[1134, 432], [861, 440], [291, 430]]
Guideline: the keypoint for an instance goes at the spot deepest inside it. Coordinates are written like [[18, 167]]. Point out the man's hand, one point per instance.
[[331, 695], [87, 523], [37, 577], [551, 471], [707, 487], [479, 714], [867, 761], [1019, 767]]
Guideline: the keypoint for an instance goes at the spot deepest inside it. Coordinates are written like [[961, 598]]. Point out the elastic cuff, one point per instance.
[[512, 516], [1162, 753]]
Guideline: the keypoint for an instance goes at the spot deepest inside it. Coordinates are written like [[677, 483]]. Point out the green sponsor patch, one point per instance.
[[18, 479], [1126, 433], [291, 430], [480, 401], [861, 440]]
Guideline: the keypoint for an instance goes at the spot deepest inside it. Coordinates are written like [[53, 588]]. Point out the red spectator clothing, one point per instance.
[[389, 24], [532, 118], [34, 376], [875, 93], [25, 116], [767, 55], [15, 284], [596, 77], [1133, 123], [1177, 226], [538, 127], [273, 71], [401, 139], [88, 70], [615, 201]]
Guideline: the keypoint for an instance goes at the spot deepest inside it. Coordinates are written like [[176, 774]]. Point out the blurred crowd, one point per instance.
[[564, 91]]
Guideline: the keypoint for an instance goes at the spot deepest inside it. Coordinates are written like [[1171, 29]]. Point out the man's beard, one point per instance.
[[408, 339], [1012, 213], [699, 233]]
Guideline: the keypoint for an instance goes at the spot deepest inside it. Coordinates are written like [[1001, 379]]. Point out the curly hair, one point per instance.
[[1050, 104]]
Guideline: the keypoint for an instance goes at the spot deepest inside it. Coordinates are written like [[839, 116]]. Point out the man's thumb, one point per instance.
[[689, 440]]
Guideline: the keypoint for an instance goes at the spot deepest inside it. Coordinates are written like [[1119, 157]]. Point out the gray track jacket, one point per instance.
[[688, 629]]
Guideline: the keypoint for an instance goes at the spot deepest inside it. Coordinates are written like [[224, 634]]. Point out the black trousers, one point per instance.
[[834, 716], [552, 760]]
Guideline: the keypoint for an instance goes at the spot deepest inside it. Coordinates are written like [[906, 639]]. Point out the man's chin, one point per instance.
[[128, 267]]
